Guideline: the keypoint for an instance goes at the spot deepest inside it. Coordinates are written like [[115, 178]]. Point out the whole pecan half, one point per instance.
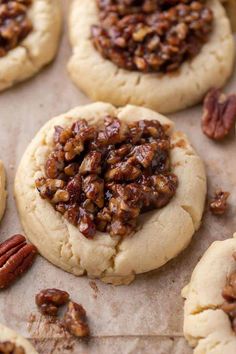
[[16, 257], [75, 320], [219, 114], [49, 300]]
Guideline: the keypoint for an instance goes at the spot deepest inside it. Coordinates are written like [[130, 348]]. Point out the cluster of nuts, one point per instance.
[[14, 23], [229, 294], [74, 321], [103, 178], [10, 348], [151, 35]]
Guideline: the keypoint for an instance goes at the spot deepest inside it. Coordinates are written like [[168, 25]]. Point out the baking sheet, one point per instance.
[[145, 317]]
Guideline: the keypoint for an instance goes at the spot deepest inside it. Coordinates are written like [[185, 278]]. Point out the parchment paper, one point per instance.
[[145, 317]]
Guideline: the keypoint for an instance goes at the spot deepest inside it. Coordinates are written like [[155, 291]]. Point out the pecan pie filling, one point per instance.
[[14, 23], [103, 178], [229, 294], [151, 35]]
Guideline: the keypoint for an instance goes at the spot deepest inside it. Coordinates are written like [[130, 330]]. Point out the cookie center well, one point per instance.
[[151, 35], [14, 24], [103, 177]]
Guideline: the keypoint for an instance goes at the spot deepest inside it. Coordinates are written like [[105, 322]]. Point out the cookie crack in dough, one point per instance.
[[116, 72], [117, 250], [68, 242], [138, 81], [28, 54], [201, 178], [189, 210], [213, 345], [61, 244], [204, 308]]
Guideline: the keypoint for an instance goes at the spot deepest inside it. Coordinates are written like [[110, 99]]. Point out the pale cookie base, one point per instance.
[[162, 235], [7, 334], [102, 80], [3, 193], [206, 327], [38, 48]]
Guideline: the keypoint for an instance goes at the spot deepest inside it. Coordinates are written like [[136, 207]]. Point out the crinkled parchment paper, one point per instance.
[[145, 317]]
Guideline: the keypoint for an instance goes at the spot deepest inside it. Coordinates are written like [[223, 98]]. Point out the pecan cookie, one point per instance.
[[164, 61], [3, 193], [128, 205], [12, 342], [209, 310], [29, 36]]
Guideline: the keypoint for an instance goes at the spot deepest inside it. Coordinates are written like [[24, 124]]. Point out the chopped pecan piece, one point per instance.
[[83, 131], [123, 171], [114, 132], [73, 148], [16, 257], [75, 320], [164, 188], [117, 155], [144, 154], [48, 187], [49, 301], [74, 188], [91, 163], [72, 169], [62, 135], [219, 114], [103, 218], [10, 348], [86, 223], [55, 164], [93, 188], [115, 171], [218, 205]]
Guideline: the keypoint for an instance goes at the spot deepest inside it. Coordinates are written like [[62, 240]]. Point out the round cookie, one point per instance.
[[206, 327], [38, 48], [163, 233], [102, 80], [3, 193], [8, 335]]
